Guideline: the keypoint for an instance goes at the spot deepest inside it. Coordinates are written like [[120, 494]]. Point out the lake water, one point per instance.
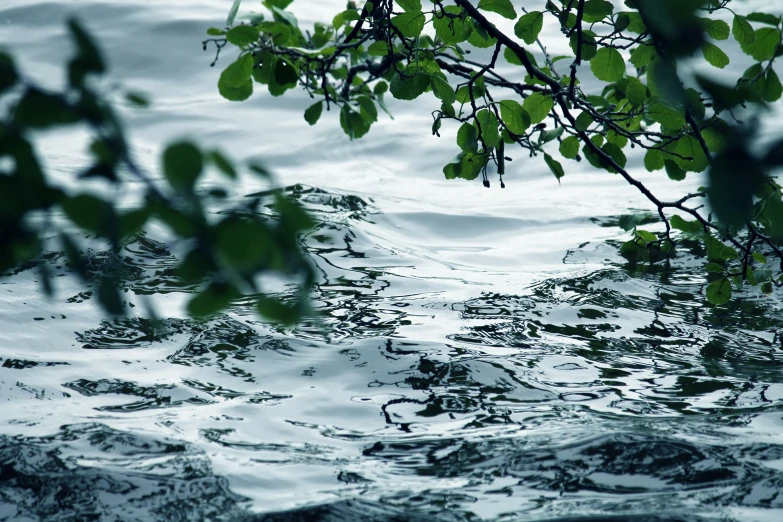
[[482, 354]]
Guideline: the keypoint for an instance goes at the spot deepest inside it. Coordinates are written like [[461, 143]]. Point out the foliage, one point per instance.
[[224, 254], [633, 100]]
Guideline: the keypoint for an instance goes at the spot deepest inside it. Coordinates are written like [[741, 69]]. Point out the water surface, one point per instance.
[[481, 354]]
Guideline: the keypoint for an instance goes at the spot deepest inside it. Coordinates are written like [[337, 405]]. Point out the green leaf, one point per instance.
[[538, 106], [554, 166], [688, 228], [673, 170], [743, 31], [242, 35], [529, 26], [214, 31], [479, 37], [759, 257], [636, 92], [488, 125], [502, 7], [379, 48], [313, 112], [285, 77], [583, 121], [569, 147], [409, 5], [182, 165], [589, 45], [452, 30], [352, 123], [597, 10], [466, 165], [411, 84], [240, 93], [516, 119], [467, 138], [653, 160], [716, 29], [368, 110], [238, 72], [689, 147], [666, 115], [764, 18], [714, 55], [410, 23], [765, 44], [608, 64], [719, 292], [642, 55], [637, 23], [715, 268], [772, 87], [442, 90]]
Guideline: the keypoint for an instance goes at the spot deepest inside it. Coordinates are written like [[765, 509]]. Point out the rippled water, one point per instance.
[[481, 354]]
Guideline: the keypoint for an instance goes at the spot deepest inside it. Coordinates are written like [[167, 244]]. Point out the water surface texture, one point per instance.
[[481, 354]]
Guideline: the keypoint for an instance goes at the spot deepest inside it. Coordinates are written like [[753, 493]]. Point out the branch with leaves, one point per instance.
[[681, 125]]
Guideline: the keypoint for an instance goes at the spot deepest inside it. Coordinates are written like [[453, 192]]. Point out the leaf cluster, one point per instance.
[[642, 107], [223, 254]]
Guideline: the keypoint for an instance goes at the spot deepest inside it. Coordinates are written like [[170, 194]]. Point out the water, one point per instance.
[[482, 354]]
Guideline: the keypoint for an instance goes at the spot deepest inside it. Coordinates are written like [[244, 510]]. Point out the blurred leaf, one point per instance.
[[182, 165], [213, 299], [88, 58], [90, 213], [232, 13], [8, 74], [223, 164], [40, 110]]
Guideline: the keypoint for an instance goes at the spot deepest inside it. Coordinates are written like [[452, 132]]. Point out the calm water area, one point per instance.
[[481, 354]]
